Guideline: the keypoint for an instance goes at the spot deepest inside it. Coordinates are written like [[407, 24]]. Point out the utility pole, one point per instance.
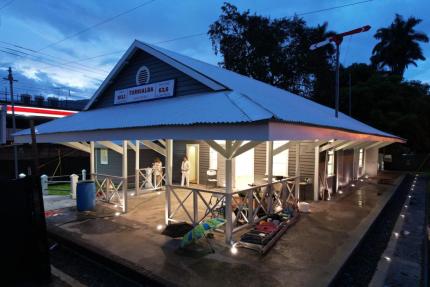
[[12, 103], [350, 94]]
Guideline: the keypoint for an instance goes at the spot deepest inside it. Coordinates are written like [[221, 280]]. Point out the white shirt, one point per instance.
[[185, 167]]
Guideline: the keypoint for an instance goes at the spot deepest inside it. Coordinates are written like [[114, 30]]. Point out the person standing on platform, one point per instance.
[[157, 167], [185, 170]]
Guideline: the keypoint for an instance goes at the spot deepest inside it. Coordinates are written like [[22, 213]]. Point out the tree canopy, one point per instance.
[[398, 45], [276, 51]]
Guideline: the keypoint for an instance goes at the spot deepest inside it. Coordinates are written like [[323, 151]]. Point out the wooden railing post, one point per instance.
[[195, 208], [250, 198]]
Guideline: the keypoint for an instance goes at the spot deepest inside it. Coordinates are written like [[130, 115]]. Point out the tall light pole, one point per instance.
[[337, 40], [12, 103]]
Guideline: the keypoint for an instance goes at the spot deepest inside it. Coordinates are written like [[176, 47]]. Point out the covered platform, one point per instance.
[[155, 97], [310, 254]]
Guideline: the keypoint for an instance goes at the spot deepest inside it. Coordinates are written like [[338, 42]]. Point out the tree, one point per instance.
[[275, 51], [399, 45]]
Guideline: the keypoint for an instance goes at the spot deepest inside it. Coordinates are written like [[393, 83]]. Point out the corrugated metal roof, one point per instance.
[[249, 100]]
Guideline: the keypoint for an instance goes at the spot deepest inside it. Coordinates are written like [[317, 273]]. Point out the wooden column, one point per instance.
[[228, 196], [92, 161], [137, 167], [169, 175], [316, 172], [124, 176], [270, 174], [297, 172]]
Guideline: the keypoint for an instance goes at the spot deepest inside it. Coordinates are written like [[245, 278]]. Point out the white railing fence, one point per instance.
[[249, 206], [109, 188], [148, 180], [58, 182]]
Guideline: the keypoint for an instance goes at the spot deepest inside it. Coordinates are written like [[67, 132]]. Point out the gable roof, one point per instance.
[[236, 99], [278, 103]]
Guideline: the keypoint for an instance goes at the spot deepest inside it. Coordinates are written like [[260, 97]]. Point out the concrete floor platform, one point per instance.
[[308, 254]]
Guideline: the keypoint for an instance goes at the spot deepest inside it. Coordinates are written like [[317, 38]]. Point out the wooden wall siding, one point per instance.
[[203, 161], [114, 166], [260, 162], [221, 170], [306, 160], [159, 71]]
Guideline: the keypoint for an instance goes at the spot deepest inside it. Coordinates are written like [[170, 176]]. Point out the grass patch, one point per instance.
[[59, 189]]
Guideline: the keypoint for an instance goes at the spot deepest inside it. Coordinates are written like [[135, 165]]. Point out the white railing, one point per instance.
[[109, 187], [147, 180], [249, 206], [49, 182]]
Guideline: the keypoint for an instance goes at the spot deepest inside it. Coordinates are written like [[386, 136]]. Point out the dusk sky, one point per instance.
[[46, 59]]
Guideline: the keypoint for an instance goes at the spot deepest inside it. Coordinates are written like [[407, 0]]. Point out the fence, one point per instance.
[[61, 184], [249, 206], [109, 188], [147, 180]]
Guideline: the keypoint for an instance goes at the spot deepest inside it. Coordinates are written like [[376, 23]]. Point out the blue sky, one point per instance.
[[35, 25]]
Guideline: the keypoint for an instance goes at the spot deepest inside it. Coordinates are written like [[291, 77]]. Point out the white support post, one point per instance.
[[228, 195], [92, 160], [316, 172], [137, 167], [73, 184], [44, 184], [297, 173], [84, 174], [169, 169], [124, 176], [270, 174]]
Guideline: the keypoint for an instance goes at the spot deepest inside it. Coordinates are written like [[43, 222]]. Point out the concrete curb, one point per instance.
[[339, 260]]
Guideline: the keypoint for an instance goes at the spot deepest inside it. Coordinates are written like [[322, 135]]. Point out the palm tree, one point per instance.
[[398, 45]]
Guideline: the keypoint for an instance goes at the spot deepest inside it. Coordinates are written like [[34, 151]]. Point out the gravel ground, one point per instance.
[[360, 267]]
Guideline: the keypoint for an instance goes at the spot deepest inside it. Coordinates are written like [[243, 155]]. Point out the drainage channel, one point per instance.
[[91, 269], [360, 267]]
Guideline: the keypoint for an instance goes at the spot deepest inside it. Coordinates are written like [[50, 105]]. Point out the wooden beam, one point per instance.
[[154, 147], [283, 147], [132, 145], [213, 144], [79, 146], [236, 145], [347, 145], [245, 148], [112, 146], [162, 142], [332, 145], [378, 145]]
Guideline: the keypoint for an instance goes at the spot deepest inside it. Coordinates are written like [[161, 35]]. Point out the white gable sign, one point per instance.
[[151, 91]]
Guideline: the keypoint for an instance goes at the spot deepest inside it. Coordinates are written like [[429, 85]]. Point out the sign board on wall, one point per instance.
[[146, 92]]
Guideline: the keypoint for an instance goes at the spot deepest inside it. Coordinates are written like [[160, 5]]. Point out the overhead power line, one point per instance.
[[96, 25], [333, 8]]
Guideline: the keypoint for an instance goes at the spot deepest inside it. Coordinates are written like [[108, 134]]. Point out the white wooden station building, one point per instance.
[[158, 103]]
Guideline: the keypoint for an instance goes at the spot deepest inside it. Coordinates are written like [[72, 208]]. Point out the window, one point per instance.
[[330, 163], [360, 158], [104, 156], [280, 161], [213, 159]]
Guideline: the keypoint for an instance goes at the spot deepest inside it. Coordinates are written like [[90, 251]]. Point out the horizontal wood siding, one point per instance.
[[306, 160], [159, 71], [203, 161], [260, 163]]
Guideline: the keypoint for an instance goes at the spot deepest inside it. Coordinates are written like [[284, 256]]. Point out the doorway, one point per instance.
[[193, 158]]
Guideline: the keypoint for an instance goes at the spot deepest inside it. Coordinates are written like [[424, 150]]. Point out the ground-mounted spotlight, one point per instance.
[[233, 249], [117, 213], [159, 193], [361, 179], [396, 234], [352, 184], [387, 258], [160, 227], [402, 215], [132, 194]]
